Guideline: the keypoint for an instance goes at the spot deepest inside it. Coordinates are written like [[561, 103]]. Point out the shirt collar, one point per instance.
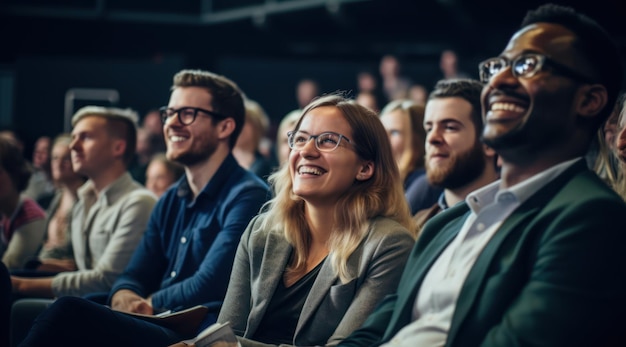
[[215, 184], [521, 192], [110, 193]]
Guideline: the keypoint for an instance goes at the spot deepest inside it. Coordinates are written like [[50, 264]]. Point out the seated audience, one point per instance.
[[21, 218], [108, 220], [536, 258], [56, 254], [186, 255], [162, 173], [333, 241]]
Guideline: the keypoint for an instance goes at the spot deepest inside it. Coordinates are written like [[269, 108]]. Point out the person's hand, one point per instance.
[[128, 301], [57, 265], [16, 284]]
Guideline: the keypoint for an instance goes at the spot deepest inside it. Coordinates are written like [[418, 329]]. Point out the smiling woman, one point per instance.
[[338, 202]]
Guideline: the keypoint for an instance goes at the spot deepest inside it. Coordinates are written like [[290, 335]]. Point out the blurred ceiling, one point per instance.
[[201, 30]]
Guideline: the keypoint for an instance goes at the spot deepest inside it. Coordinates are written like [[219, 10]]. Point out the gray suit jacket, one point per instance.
[[332, 309]]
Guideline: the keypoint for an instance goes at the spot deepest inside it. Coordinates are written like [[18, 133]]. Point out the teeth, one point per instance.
[[506, 107], [177, 138], [310, 170]]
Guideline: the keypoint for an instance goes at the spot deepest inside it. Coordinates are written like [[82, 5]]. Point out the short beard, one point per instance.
[[192, 158], [463, 169]]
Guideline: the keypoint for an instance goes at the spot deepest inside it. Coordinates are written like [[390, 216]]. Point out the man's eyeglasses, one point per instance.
[[324, 142], [526, 66], [186, 115]]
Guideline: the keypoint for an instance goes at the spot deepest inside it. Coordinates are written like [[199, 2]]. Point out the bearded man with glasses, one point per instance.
[[536, 258]]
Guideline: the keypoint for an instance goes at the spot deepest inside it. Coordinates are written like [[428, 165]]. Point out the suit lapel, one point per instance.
[[320, 290], [275, 257], [518, 220], [442, 229]]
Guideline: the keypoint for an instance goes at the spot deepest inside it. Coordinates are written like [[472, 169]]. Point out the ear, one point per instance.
[[592, 101], [489, 152], [225, 128], [119, 147], [366, 172]]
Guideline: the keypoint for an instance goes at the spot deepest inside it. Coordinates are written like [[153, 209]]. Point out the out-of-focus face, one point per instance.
[[158, 178], [152, 123], [61, 163], [611, 130], [398, 128], [322, 177], [41, 153], [368, 100], [92, 146], [454, 156], [281, 141], [194, 143], [620, 139], [7, 187], [307, 91]]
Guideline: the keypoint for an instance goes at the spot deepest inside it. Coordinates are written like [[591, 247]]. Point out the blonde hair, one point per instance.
[[413, 156], [381, 195], [256, 116]]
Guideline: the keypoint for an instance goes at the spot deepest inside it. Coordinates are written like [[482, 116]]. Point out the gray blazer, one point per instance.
[[332, 309]]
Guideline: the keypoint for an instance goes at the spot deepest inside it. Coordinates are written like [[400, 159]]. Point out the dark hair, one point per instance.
[[467, 89], [593, 43], [226, 97], [12, 161]]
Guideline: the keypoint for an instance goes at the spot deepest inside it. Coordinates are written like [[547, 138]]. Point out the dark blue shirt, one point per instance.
[[187, 252], [419, 193]]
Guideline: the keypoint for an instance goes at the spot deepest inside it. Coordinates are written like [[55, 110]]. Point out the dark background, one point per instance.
[[266, 46]]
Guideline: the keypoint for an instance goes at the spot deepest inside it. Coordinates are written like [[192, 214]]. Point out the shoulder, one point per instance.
[[387, 230], [30, 210]]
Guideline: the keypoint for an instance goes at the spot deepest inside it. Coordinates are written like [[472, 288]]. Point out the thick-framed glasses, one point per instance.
[[186, 115], [526, 66], [324, 142]]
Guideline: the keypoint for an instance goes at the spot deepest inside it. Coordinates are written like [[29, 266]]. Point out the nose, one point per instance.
[[434, 137], [503, 78], [309, 147], [74, 143]]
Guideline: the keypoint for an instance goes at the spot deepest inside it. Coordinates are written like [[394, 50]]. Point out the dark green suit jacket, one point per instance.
[[554, 274]]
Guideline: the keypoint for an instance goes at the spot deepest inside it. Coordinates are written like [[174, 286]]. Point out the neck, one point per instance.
[[104, 179], [244, 157], [72, 186], [199, 174], [521, 163], [321, 223], [517, 171], [489, 175]]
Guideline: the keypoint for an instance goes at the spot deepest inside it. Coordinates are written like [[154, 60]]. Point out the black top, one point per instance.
[[278, 325]]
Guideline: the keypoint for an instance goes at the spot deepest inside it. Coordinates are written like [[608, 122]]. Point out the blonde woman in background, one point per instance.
[[619, 148], [246, 150], [403, 121]]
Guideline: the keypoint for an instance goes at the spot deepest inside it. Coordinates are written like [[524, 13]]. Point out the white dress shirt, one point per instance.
[[437, 296]]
